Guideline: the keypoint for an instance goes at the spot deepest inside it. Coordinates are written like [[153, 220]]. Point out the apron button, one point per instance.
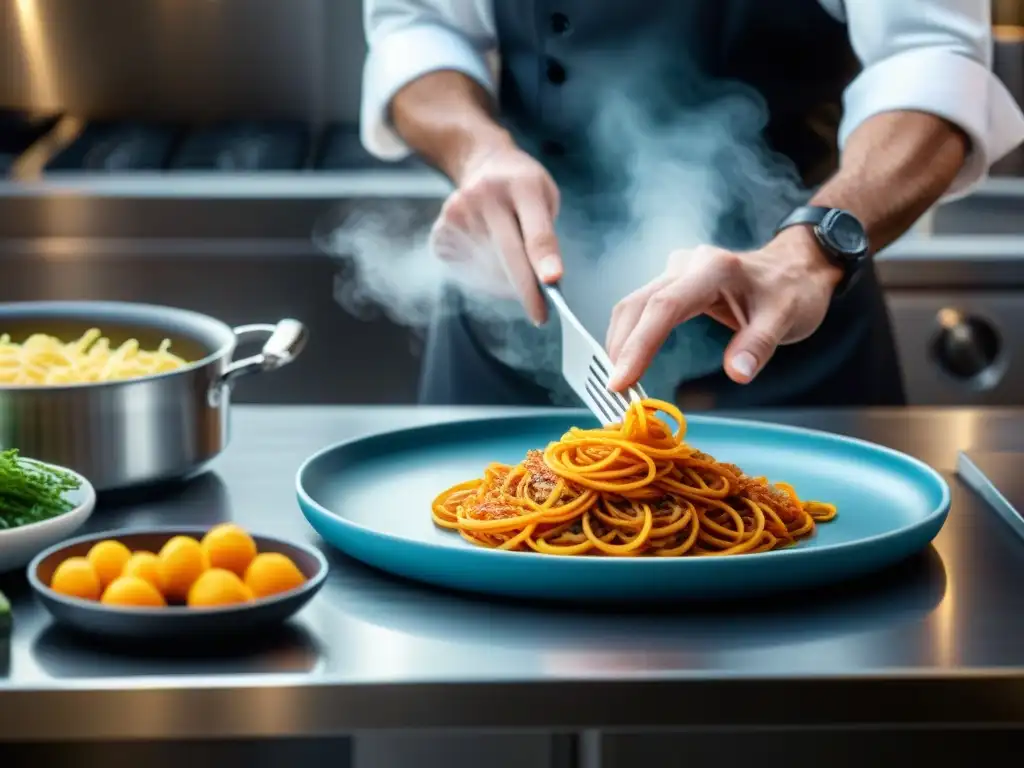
[[555, 72], [560, 24]]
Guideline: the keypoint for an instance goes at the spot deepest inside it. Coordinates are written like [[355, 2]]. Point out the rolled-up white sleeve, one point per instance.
[[931, 56], [407, 39]]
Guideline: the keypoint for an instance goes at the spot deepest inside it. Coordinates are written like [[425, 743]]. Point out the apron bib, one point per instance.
[[665, 123]]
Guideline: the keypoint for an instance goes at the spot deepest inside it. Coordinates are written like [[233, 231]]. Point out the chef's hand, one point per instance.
[[775, 295], [499, 226]]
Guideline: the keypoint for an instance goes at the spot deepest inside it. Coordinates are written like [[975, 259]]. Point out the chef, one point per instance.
[[872, 109]]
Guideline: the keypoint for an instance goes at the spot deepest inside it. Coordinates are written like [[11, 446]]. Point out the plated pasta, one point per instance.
[[628, 490]]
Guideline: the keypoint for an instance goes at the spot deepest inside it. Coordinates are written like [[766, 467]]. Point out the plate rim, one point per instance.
[[937, 514]]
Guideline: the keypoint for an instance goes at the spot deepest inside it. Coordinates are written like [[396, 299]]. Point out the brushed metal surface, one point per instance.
[[881, 747], [188, 207], [934, 641], [996, 477], [996, 209], [1008, 65], [918, 319], [172, 58], [334, 752], [125, 433], [367, 750]]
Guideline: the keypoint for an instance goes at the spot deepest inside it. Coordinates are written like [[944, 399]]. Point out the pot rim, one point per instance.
[[123, 312]]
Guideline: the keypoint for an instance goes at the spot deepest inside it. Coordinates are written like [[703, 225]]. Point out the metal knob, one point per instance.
[[965, 347]]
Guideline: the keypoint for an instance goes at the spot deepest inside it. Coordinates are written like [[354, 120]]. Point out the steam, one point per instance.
[[387, 265], [682, 177], [660, 185]]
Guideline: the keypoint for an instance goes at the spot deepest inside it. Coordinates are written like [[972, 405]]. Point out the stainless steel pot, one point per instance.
[[127, 433]]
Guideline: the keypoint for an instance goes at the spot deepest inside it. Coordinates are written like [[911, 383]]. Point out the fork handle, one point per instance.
[[548, 288], [556, 297]]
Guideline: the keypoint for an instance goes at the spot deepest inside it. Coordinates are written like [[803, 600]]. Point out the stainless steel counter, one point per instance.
[[936, 640]]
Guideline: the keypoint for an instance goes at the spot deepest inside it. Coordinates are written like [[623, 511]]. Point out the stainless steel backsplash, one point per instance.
[[199, 59], [192, 59]]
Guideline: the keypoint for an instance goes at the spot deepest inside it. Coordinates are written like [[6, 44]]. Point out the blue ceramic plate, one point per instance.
[[370, 498]]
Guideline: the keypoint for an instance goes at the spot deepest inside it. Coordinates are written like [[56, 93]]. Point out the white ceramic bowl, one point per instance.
[[19, 545]]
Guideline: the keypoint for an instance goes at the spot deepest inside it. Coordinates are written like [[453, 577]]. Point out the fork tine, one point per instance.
[[601, 374], [605, 396], [605, 408], [585, 365]]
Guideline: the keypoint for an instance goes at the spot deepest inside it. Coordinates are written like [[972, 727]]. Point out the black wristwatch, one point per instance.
[[840, 235]]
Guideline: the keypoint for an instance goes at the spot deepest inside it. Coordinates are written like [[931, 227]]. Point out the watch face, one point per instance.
[[844, 232]]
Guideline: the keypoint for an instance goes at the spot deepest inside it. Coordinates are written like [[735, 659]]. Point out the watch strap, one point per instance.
[[805, 214], [813, 216]]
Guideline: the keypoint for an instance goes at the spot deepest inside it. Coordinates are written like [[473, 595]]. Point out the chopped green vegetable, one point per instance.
[[30, 491]]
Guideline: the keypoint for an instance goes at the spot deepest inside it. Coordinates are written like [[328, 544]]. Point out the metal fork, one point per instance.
[[587, 368]]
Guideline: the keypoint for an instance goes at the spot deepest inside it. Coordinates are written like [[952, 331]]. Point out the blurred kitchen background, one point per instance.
[[184, 152]]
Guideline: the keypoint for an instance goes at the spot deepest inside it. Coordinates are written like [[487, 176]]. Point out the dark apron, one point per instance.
[[560, 61]]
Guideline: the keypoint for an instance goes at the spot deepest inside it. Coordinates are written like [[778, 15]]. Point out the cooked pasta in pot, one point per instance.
[[43, 360]]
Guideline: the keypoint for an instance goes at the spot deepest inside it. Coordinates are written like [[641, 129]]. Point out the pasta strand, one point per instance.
[[627, 490]]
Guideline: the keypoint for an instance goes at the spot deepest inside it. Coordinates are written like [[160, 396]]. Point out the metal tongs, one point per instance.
[[587, 368]]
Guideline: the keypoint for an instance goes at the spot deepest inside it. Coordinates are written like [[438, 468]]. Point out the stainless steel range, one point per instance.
[[955, 289]]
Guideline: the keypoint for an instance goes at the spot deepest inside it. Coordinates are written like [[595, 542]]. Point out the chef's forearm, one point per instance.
[[448, 119], [894, 167]]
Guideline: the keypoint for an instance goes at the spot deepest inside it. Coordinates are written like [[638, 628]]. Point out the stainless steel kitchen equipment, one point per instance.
[[184, 59], [957, 306], [1008, 64], [18, 131], [996, 477], [227, 87], [126, 433]]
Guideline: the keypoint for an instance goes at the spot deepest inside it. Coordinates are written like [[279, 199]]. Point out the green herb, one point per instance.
[[31, 492]]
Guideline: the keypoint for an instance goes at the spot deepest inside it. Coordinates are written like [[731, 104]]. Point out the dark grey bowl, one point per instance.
[[175, 623]]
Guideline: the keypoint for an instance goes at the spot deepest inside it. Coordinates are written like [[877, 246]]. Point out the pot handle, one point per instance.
[[286, 340]]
